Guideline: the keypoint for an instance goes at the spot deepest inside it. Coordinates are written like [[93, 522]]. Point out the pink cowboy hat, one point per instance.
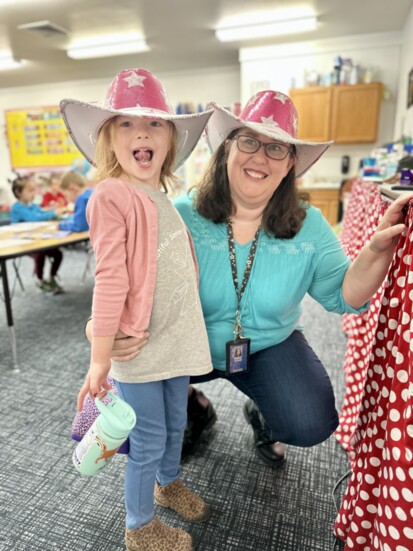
[[272, 114], [133, 93]]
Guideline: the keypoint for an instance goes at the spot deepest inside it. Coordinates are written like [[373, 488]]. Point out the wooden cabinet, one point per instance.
[[326, 200], [344, 113]]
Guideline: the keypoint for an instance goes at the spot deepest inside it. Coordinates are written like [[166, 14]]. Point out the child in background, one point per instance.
[[24, 210], [145, 280], [73, 184], [54, 196]]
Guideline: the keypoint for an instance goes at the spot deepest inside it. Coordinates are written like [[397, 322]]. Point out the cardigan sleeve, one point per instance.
[[107, 216]]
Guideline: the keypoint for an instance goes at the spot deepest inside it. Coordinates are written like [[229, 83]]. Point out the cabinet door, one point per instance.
[[326, 200], [355, 113], [313, 106]]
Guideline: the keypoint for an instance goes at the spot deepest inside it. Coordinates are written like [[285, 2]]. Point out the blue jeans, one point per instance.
[[155, 442], [292, 390]]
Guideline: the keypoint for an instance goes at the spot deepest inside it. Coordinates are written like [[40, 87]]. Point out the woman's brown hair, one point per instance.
[[283, 215], [107, 165]]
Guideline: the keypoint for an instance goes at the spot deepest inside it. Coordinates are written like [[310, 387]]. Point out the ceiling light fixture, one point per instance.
[[7, 62], [266, 29], [107, 46]]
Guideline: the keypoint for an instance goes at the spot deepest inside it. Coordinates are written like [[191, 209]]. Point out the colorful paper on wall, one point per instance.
[[38, 138]]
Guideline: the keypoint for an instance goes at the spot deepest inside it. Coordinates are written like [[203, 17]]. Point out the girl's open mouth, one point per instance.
[[143, 156]]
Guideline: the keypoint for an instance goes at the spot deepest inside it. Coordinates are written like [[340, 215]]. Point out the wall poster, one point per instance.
[[38, 138]]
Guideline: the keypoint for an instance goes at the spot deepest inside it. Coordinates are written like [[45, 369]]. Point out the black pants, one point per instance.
[[55, 256]]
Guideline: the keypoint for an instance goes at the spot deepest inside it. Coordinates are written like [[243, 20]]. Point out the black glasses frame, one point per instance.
[[262, 144]]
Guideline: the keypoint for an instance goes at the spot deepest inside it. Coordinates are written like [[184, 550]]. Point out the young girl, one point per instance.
[[145, 281], [54, 196], [24, 210]]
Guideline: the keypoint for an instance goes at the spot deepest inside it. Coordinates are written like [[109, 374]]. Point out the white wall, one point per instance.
[[404, 116], [218, 84], [282, 67]]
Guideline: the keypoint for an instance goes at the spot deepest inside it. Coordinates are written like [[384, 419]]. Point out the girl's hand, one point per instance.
[[391, 225], [96, 384]]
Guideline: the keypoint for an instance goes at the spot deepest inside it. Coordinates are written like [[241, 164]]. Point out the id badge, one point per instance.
[[238, 356]]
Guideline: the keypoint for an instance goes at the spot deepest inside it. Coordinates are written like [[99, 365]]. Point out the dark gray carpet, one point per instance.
[[45, 505]]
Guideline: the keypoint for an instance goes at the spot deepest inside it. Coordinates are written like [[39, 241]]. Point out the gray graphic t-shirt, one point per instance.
[[178, 343]]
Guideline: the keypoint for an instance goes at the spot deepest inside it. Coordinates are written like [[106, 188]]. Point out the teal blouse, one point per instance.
[[284, 270]]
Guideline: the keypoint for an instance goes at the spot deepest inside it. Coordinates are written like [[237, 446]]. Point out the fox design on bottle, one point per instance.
[[106, 454]]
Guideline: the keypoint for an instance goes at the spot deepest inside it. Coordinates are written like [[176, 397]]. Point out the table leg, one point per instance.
[[9, 313]]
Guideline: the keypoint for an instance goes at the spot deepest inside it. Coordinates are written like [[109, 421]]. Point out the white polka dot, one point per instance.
[[407, 494], [383, 529], [366, 524], [400, 513], [394, 415], [405, 318], [369, 479], [394, 302], [400, 474], [360, 540], [401, 281], [402, 376], [354, 527], [408, 532], [371, 508], [395, 434], [392, 324], [399, 358], [394, 493], [394, 533], [364, 496]]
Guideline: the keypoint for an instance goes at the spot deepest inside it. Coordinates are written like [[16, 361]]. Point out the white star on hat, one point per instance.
[[269, 121], [281, 97], [134, 79]]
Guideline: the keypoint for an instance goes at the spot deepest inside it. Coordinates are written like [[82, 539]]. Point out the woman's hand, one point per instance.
[[369, 269], [126, 348], [390, 226]]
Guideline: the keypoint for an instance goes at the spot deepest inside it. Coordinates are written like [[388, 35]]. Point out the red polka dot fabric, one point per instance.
[[377, 509], [365, 208]]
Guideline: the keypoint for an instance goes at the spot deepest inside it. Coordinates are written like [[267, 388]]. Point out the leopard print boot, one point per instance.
[[177, 497], [156, 536]]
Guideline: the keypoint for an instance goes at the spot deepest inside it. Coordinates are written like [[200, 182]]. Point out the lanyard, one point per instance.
[[248, 268]]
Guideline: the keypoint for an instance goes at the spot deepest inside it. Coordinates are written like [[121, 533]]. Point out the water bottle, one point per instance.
[[109, 431]]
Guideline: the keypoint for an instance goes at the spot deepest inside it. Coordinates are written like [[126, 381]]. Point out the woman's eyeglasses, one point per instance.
[[274, 150]]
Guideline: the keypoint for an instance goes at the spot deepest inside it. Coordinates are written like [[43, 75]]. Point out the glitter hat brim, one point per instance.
[[223, 122], [84, 120]]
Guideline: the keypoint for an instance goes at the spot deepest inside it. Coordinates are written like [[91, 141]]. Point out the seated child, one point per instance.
[[73, 184], [54, 197], [24, 210]]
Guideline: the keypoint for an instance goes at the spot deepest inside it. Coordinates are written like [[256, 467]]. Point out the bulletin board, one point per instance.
[[38, 138]]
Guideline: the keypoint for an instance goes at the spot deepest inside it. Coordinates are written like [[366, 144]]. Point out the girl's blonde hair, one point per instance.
[[107, 165]]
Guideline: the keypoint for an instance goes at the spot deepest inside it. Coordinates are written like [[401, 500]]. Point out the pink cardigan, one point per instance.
[[123, 224]]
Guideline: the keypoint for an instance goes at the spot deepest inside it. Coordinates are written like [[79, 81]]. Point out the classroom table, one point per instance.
[[20, 240]]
